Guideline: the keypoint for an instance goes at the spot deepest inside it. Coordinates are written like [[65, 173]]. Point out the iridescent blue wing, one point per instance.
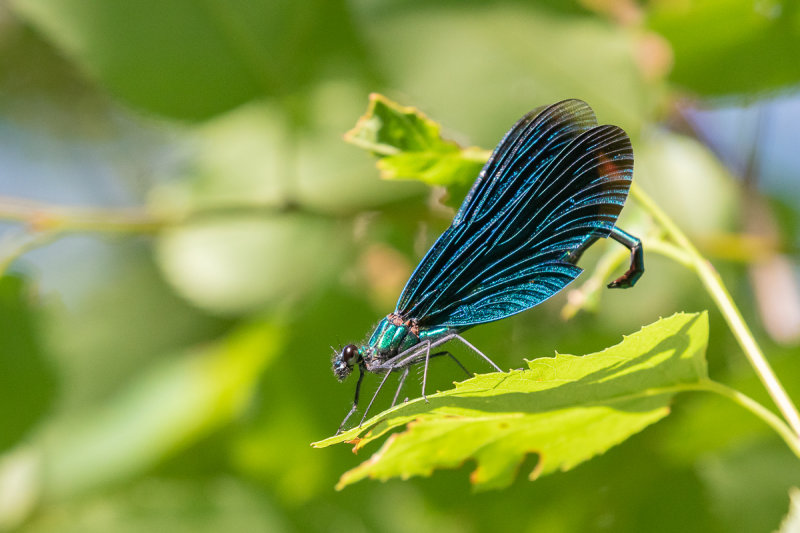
[[556, 180]]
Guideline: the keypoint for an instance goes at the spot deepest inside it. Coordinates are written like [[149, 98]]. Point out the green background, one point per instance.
[[172, 378]]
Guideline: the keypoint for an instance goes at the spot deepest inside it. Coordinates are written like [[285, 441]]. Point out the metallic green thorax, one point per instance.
[[394, 336]]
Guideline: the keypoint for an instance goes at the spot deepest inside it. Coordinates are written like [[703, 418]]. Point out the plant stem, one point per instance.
[[713, 283], [48, 218], [42, 222], [666, 249]]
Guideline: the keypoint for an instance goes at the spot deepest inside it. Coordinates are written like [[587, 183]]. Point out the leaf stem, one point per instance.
[[713, 283]]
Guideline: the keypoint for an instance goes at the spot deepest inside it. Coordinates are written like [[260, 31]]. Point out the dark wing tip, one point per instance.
[[613, 151], [567, 119]]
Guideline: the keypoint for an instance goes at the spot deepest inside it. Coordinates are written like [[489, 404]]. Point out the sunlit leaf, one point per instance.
[[410, 145], [566, 408]]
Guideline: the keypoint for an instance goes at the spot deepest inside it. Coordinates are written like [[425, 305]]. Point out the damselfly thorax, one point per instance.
[[393, 336]]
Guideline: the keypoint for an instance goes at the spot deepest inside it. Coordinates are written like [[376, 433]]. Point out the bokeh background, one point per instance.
[[185, 235]]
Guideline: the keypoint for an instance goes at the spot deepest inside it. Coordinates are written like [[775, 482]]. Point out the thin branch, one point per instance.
[[44, 223], [43, 217]]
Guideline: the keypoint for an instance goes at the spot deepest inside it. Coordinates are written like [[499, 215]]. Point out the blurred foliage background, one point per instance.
[[185, 235]]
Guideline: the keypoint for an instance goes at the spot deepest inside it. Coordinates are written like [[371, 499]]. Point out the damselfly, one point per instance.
[[554, 185]]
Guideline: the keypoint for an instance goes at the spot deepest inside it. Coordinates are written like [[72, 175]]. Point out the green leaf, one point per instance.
[[727, 47], [566, 408], [410, 145]]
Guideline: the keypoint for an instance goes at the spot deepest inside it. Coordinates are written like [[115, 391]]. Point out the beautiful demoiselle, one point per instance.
[[554, 185]]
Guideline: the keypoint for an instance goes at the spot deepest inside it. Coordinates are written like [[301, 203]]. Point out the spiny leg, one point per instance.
[[400, 386], [404, 359], [477, 351], [453, 357], [377, 391], [414, 356], [428, 357], [636, 269], [425, 371], [432, 356], [355, 400]]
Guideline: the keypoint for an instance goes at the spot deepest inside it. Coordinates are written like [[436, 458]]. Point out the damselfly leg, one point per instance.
[[477, 351], [400, 386], [355, 400], [425, 371], [377, 391], [433, 356], [414, 355]]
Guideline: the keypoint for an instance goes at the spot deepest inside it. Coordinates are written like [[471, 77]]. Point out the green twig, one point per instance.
[[667, 249], [713, 283]]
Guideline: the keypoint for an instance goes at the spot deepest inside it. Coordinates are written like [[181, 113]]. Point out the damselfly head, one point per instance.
[[344, 361]]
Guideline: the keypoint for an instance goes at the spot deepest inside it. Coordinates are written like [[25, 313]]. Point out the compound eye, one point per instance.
[[349, 352]]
